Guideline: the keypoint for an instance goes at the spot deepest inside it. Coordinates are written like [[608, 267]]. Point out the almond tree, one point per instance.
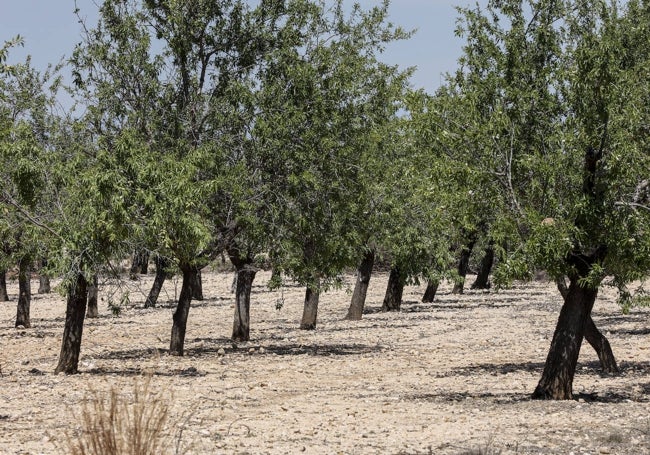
[[27, 101], [561, 129], [324, 99]]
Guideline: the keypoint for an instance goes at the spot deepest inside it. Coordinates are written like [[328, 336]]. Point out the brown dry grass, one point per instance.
[[112, 423]]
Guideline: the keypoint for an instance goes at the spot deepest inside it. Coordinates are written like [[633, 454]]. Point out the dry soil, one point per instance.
[[451, 377]]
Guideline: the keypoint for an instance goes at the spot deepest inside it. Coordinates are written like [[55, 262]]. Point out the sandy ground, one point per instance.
[[452, 377]]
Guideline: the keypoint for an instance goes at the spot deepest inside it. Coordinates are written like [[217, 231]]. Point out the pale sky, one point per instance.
[[50, 31]]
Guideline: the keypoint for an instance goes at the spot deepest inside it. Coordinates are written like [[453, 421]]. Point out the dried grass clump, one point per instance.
[[116, 424]]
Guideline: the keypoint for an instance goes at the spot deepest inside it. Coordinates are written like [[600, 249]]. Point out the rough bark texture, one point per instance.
[[93, 290], [241, 323], [4, 297], [364, 272], [233, 285], [44, 286], [310, 310], [463, 265], [197, 286], [430, 291], [557, 379], [140, 264], [483, 278], [594, 337], [394, 291], [601, 345], [24, 294], [74, 323], [158, 281], [182, 310]]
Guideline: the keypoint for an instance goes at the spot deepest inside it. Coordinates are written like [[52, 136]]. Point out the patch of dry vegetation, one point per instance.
[[114, 423]]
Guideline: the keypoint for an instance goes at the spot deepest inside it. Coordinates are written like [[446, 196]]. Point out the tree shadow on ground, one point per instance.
[[643, 331], [453, 397], [224, 346], [451, 304], [588, 368], [137, 371], [334, 350], [172, 304], [353, 328], [131, 354], [493, 369]]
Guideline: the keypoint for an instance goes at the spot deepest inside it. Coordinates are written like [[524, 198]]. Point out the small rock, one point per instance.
[[262, 350], [20, 327], [221, 351], [251, 351]]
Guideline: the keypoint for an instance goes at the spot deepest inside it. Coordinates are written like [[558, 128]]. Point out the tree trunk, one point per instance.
[[483, 278], [430, 291], [276, 277], [358, 302], [158, 281], [74, 323], [182, 310], [233, 285], [4, 297], [594, 337], [43, 280], [394, 291], [140, 264], [557, 379], [197, 286], [310, 309], [93, 290], [463, 265], [24, 294], [44, 286], [601, 345], [241, 325]]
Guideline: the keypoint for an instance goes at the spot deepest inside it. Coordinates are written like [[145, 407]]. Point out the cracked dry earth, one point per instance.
[[452, 377]]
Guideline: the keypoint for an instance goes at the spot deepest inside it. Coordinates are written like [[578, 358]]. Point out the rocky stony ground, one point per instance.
[[452, 377]]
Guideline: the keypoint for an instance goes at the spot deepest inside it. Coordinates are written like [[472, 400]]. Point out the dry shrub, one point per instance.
[[114, 424]]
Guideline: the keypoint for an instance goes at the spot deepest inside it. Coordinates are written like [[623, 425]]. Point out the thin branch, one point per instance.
[[9, 200], [632, 204]]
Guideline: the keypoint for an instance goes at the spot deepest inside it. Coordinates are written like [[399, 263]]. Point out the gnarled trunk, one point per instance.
[[594, 337], [158, 281], [557, 379], [364, 272], [43, 280], [431, 291], [24, 294], [483, 278], [44, 286], [243, 282], [241, 324], [197, 286], [310, 309], [4, 297], [140, 264], [93, 290], [394, 291], [463, 265], [74, 323], [177, 343], [601, 345]]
